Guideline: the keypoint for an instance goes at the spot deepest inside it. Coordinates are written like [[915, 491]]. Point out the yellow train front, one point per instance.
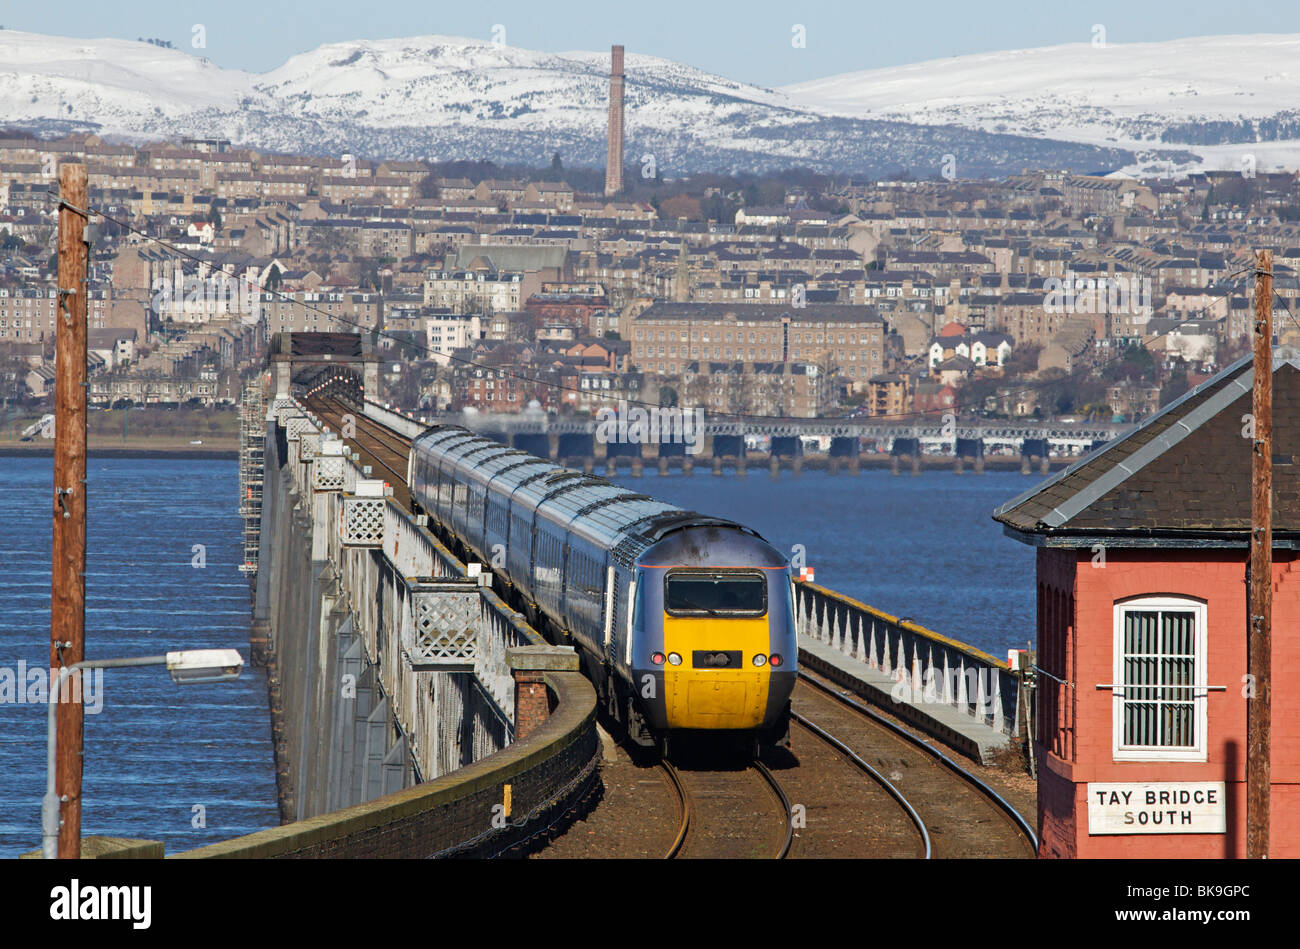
[[713, 637], [684, 622]]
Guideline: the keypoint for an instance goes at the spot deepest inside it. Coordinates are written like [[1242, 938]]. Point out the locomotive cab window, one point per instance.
[[715, 594]]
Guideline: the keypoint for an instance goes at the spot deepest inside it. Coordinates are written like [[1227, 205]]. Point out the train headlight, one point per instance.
[[776, 660], [657, 658], [674, 659], [760, 659]]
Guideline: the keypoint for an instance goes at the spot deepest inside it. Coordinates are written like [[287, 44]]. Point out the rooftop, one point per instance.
[[1181, 478]]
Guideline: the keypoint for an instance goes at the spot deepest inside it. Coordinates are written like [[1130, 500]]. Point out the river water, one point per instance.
[[191, 765], [188, 765], [923, 546]]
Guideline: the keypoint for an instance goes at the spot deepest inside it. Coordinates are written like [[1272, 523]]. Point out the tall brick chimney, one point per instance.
[[614, 160]]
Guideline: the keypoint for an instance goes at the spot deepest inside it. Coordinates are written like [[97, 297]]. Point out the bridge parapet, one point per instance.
[[422, 636], [405, 423], [962, 695]]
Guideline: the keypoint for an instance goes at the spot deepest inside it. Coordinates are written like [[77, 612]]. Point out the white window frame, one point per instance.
[[1200, 638]]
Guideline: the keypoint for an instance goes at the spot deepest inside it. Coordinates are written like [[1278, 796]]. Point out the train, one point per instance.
[[683, 622]]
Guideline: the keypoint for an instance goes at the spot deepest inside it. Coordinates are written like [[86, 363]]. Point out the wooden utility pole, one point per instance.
[[68, 581], [1260, 613]]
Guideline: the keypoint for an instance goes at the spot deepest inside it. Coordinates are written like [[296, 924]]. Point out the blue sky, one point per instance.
[[748, 41]]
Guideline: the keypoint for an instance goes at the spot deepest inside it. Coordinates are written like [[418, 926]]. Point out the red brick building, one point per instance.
[[1141, 692], [580, 307]]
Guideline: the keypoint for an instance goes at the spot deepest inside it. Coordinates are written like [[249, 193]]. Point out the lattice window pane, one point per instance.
[[363, 522], [327, 473], [296, 426], [444, 628], [1159, 665]]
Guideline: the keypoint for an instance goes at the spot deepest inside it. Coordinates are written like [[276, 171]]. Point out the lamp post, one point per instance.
[[187, 668]]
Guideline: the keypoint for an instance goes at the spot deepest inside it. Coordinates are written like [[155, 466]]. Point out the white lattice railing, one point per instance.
[[437, 637], [927, 667], [441, 626]]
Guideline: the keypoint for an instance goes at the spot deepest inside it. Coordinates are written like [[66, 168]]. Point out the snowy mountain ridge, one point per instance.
[[1153, 105]]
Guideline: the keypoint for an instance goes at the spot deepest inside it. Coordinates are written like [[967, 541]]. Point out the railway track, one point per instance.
[[383, 449], [925, 846], [719, 817], [957, 813]]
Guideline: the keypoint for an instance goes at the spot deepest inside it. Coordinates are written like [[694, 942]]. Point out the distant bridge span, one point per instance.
[[935, 436]]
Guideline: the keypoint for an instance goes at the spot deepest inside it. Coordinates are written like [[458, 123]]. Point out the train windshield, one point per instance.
[[715, 594]]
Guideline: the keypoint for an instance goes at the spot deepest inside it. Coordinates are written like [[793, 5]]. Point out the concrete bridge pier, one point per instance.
[[669, 451], [905, 447], [958, 465], [729, 450], [786, 446], [1035, 450], [972, 448], [616, 452], [688, 466], [844, 449], [576, 445], [535, 443], [637, 466]]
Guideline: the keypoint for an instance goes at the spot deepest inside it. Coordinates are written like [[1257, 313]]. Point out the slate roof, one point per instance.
[[1182, 477]]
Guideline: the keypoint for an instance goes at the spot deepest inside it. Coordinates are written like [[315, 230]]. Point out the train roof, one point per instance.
[[606, 514], [713, 542]]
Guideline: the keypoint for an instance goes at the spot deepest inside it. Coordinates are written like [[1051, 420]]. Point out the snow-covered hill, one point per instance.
[[446, 97], [1223, 96]]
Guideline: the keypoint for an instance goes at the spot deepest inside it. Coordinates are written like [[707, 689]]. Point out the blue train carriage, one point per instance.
[[684, 622]]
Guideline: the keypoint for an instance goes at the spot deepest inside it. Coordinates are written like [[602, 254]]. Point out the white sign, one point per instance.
[[1169, 807]]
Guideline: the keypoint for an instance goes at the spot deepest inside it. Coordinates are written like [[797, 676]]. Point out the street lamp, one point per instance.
[[188, 667]]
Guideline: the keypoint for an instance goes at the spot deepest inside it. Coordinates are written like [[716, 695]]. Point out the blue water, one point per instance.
[[924, 547], [159, 758]]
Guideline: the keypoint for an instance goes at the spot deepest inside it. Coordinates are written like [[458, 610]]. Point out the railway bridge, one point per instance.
[[681, 438], [414, 712]]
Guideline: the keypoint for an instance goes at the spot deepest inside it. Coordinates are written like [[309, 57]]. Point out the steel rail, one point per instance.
[[776, 788], [675, 780], [1005, 806], [884, 782]]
